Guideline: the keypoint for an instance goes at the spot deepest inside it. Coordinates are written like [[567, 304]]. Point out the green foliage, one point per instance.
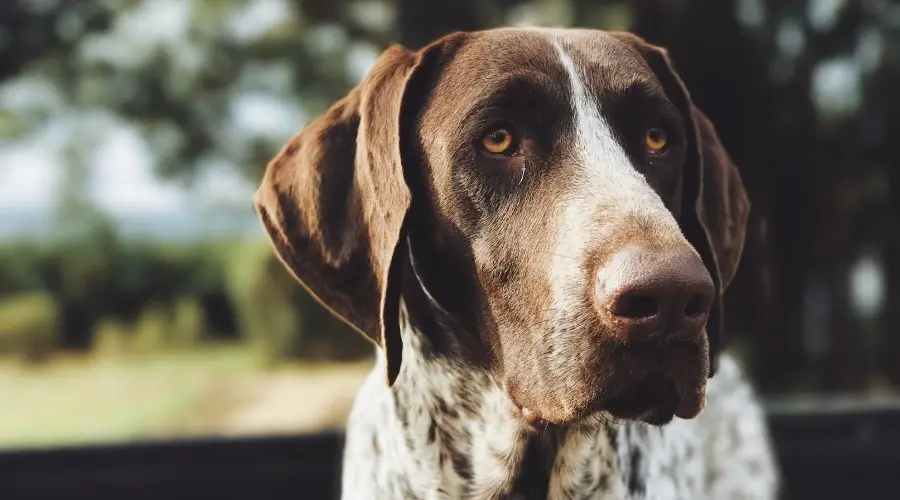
[[29, 326], [188, 324], [151, 330], [135, 296], [165, 327], [264, 301], [280, 317], [159, 327], [112, 338]]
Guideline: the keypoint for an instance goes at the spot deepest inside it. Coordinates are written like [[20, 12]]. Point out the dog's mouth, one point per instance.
[[646, 386], [654, 400]]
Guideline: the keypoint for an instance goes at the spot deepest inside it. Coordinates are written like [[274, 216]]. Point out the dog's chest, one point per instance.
[[442, 442], [608, 461], [555, 465]]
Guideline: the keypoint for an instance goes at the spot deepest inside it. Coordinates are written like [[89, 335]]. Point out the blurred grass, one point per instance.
[[105, 339], [97, 398], [28, 326]]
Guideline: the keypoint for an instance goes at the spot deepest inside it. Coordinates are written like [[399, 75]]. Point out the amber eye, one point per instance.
[[498, 141], [656, 139]]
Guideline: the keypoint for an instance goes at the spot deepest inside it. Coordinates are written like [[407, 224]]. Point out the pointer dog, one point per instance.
[[536, 228]]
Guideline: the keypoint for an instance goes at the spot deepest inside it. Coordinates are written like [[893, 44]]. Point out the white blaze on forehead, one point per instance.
[[608, 189], [597, 148]]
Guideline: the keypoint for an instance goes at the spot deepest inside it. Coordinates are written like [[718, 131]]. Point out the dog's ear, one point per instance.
[[334, 200], [715, 205]]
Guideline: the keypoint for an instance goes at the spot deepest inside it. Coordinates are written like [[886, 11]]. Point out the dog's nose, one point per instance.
[[655, 294]]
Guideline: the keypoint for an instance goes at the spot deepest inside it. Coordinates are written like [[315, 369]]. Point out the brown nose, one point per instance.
[[655, 295]]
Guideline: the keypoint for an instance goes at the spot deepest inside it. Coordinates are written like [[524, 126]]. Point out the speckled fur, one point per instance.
[[445, 432]]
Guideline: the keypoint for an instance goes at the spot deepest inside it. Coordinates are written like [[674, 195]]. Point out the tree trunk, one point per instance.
[[843, 373]]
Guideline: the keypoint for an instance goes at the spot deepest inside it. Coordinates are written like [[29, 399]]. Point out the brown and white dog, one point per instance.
[[536, 227]]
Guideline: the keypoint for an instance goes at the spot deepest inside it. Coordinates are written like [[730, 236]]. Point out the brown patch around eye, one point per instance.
[[656, 139], [498, 141]]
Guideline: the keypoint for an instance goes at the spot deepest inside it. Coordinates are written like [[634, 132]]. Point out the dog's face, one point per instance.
[[570, 214]]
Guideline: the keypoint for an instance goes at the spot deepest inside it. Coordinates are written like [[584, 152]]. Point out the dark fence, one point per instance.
[[824, 453]]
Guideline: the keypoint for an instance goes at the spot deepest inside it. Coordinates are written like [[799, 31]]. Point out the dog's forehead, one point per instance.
[[489, 59], [508, 48]]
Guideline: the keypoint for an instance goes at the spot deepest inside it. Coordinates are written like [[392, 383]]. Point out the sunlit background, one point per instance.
[[139, 299]]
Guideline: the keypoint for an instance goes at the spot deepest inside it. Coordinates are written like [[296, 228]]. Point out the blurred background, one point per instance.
[[139, 299]]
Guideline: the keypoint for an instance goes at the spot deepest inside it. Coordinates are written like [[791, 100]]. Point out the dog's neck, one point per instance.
[[462, 434]]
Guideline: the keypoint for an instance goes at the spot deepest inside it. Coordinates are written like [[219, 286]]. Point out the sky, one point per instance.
[[27, 179], [122, 181]]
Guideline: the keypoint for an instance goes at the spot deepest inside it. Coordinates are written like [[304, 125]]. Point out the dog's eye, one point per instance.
[[499, 141], [656, 139]]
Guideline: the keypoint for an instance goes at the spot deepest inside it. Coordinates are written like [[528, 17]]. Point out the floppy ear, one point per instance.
[[334, 200], [715, 205]]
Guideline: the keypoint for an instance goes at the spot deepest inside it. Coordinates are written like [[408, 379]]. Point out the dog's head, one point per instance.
[[570, 214]]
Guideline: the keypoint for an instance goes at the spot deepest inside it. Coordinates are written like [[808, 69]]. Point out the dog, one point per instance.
[[535, 227]]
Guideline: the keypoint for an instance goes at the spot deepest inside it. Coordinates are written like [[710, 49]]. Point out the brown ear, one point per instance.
[[334, 200], [715, 206]]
